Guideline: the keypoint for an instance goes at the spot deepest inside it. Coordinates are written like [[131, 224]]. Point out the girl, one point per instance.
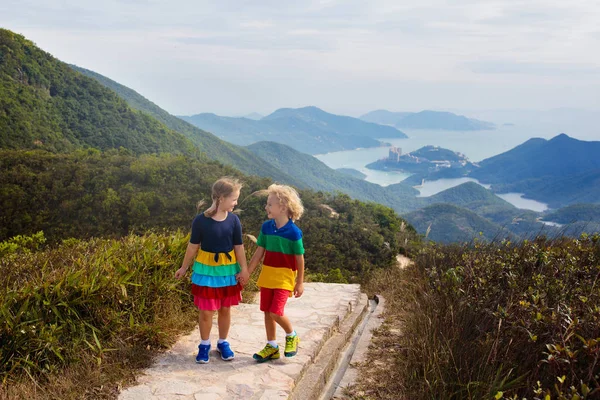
[[220, 268]]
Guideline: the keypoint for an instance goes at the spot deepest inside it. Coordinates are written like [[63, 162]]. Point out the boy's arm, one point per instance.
[[256, 259], [240, 255], [299, 289], [190, 254]]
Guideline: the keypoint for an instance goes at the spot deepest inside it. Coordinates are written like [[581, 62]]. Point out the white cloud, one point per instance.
[[235, 57]]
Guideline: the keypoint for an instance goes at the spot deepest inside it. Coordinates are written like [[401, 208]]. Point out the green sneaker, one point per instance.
[[291, 345], [266, 354]]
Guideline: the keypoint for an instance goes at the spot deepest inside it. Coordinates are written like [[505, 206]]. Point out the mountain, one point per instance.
[[314, 174], [471, 196], [352, 172], [384, 117], [309, 130], [442, 120], [343, 125], [448, 223], [254, 116], [45, 104], [427, 120], [558, 192], [560, 171], [576, 212], [486, 204], [212, 146], [561, 156]]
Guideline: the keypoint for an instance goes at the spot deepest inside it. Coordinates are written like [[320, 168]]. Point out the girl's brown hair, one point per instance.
[[224, 187], [289, 198]]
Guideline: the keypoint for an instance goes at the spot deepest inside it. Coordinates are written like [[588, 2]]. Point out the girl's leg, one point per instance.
[[270, 326], [205, 323], [283, 321], [224, 322]]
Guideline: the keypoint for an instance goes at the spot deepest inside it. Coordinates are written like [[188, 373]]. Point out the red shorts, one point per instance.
[[273, 300]]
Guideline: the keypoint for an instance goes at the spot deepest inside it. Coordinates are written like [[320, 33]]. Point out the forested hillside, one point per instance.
[[44, 104], [215, 148]]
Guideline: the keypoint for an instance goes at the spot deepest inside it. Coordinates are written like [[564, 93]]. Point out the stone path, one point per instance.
[[316, 317]]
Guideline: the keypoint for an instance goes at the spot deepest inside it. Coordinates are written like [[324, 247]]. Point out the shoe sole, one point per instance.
[[262, 360], [223, 358], [202, 361]]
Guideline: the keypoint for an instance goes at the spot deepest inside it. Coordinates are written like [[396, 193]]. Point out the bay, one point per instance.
[[475, 145]]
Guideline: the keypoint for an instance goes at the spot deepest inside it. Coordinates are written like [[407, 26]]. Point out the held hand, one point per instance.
[[243, 276], [180, 272], [299, 289]]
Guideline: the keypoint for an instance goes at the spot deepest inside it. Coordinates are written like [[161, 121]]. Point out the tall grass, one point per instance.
[[493, 321], [77, 319]]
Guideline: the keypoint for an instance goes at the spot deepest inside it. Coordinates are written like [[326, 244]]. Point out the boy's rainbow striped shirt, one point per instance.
[[281, 248]]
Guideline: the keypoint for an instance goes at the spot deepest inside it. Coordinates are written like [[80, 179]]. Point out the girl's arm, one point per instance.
[[256, 259], [190, 254], [299, 289], [240, 255]]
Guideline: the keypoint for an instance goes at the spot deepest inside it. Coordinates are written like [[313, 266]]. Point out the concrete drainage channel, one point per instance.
[[332, 368]]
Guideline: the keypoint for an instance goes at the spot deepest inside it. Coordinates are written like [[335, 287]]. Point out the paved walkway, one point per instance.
[[315, 315]]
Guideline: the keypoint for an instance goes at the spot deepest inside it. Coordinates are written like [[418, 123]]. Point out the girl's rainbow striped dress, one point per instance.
[[214, 284]]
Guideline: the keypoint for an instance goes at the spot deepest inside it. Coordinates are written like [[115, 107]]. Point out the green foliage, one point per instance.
[[22, 243], [87, 299], [446, 223], [90, 193], [514, 321]]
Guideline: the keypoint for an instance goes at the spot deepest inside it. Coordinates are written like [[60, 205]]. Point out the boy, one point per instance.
[[280, 242]]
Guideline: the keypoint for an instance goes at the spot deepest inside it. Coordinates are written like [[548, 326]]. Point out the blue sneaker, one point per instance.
[[225, 350], [202, 357]]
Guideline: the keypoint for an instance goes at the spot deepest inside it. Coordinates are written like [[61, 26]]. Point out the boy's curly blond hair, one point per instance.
[[288, 197]]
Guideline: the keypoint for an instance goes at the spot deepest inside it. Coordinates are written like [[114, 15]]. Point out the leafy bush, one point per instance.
[[504, 320], [90, 298]]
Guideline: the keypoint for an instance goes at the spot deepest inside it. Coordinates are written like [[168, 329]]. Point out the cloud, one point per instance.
[[504, 67], [260, 53]]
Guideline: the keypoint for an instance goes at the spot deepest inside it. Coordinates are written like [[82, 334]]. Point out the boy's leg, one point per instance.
[[283, 322], [270, 326], [277, 314]]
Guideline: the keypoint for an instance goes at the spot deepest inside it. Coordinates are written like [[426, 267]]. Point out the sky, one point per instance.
[[347, 57]]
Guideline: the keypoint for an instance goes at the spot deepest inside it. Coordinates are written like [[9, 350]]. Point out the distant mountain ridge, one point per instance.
[[427, 120], [212, 146], [560, 171], [308, 129]]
